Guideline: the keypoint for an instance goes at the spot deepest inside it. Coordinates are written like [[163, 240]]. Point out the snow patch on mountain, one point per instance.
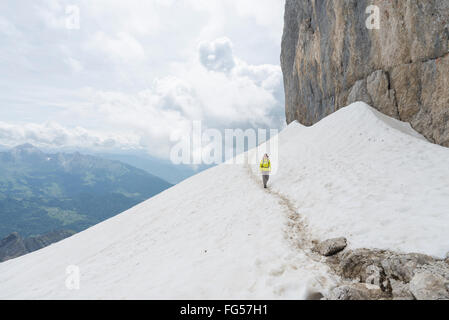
[[368, 177]]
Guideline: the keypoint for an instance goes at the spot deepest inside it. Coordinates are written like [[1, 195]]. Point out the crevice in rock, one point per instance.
[[390, 88], [431, 58]]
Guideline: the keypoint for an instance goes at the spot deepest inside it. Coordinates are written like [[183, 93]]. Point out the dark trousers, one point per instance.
[[265, 178]]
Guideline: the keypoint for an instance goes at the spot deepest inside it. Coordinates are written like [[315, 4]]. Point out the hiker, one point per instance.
[[265, 169]]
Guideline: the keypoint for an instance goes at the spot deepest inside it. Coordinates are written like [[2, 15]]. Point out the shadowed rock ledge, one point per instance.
[[330, 59]]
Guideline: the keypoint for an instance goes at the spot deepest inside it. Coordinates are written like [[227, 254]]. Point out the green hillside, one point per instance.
[[43, 192]]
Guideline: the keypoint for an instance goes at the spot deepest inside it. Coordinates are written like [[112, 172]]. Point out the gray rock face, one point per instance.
[[357, 291], [377, 265], [400, 290], [14, 245], [399, 276], [330, 247], [427, 285], [330, 59]]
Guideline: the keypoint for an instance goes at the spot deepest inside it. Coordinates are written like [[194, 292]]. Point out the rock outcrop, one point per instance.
[[14, 245], [357, 291], [427, 285], [331, 59], [330, 247], [383, 274]]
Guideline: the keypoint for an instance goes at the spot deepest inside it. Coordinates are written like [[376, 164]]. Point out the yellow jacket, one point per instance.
[[265, 165]]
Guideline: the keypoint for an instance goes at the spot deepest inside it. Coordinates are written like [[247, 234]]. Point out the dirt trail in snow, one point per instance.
[[297, 235], [300, 238], [296, 231]]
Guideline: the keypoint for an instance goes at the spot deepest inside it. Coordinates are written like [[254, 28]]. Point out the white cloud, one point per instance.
[[137, 17], [52, 13], [74, 65], [122, 47], [215, 93], [157, 117], [151, 68], [265, 12], [52, 134], [8, 29], [217, 55]]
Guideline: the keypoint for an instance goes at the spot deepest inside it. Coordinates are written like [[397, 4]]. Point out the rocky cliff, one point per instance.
[[330, 58]]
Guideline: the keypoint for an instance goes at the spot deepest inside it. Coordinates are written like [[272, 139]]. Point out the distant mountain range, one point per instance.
[[164, 169], [42, 192]]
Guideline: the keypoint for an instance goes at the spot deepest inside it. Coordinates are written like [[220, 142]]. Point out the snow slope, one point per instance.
[[370, 178], [219, 235]]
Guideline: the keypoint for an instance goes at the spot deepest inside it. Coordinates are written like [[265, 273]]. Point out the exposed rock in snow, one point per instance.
[[331, 246], [399, 276], [400, 290], [427, 285], [357, 291], [359, 264]]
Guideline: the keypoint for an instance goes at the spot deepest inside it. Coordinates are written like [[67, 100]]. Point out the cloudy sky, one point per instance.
[[133, 75]]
